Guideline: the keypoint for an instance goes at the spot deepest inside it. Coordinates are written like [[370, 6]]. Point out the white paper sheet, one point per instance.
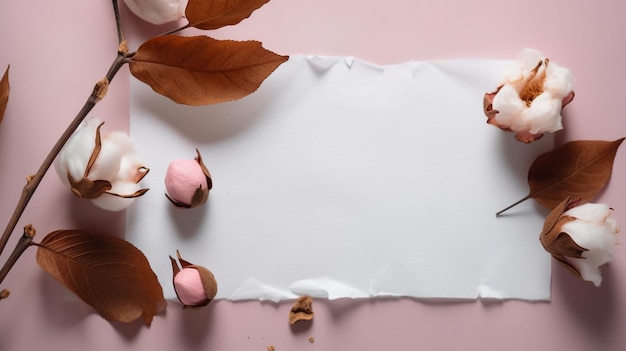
[[339, 178]]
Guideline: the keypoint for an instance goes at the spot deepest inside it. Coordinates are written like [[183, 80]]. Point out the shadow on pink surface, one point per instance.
[[595, 310]]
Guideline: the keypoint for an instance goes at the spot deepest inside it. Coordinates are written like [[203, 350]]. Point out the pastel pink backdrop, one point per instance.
[[59, 49]]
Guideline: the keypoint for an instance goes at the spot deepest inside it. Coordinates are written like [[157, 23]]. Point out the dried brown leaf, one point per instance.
[[106, 272], [215, 14], [201, 70], [4, 92], [578, 169]]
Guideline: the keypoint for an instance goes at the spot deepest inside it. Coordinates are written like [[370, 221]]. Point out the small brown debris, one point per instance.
[[4, 294], [302, 310], [271, 348], [311, 339]]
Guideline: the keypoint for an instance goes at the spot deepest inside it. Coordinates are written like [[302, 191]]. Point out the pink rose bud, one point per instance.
[[189, 287], [188, 182], [195, 285]]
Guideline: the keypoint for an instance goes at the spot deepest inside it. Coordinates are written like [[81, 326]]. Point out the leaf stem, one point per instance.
[[24, 243], [513, 205], [176, 30]]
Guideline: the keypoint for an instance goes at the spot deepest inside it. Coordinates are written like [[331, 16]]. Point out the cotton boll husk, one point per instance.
[[158, 11], [115, 203]]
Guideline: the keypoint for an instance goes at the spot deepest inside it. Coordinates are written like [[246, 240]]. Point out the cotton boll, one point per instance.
[[543, 115], [529, 58], [108, 162], [559, 81], [111, 179], [75, 154], [131, 167], [590, 212], [598, 238], [122, 140], [582, 238], [512, 75], [130, 162], [530, 98], [509, 105], [158, 11]]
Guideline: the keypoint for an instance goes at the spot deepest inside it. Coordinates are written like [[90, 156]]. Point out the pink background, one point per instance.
[[59, 49]]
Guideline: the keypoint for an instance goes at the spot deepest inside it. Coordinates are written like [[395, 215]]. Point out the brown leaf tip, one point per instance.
[[4, 92], [302, 310], [579, 168]]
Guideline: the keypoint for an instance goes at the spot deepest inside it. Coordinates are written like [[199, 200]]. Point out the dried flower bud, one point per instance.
[[4, 294], [529, 97], [582, 238], [188, 182], [158, 11], [195, 285], [104, 169], [302, 310]]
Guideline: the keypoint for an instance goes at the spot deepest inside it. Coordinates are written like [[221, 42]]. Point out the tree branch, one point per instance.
[[98, 93], [24, 243]]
